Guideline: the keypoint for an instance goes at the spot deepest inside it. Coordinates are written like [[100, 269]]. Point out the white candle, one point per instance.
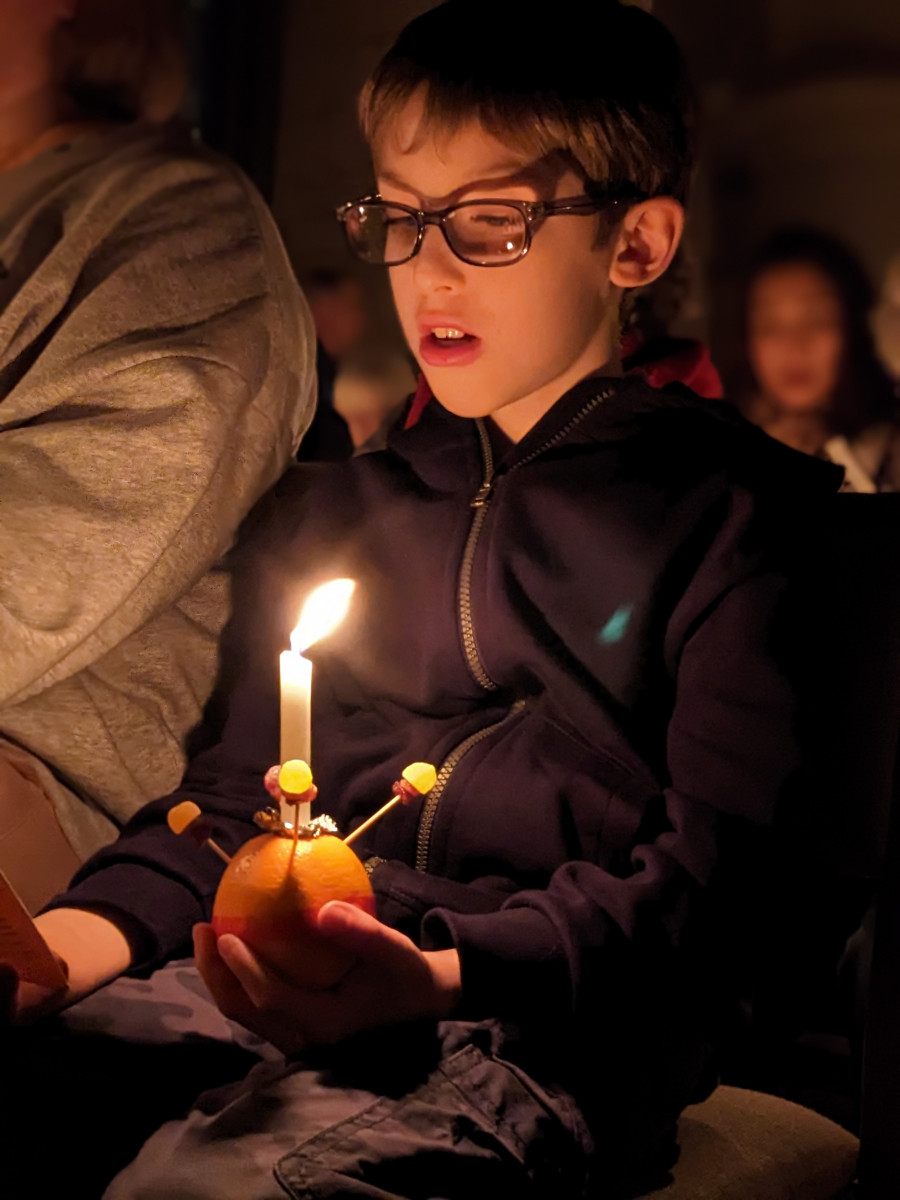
[[323, 611], [296, 694]]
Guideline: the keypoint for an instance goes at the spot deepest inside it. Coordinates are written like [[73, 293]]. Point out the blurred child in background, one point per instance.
[[814, 379]]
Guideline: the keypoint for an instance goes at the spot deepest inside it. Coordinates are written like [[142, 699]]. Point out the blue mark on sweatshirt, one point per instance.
[[614, 629]]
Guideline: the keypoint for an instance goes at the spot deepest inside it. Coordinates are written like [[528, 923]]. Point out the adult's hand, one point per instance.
[[9, 983], [391, 980], [23, 1002], [90, 950]]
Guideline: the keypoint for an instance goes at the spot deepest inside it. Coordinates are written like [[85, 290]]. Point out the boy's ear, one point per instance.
[[647, 240]]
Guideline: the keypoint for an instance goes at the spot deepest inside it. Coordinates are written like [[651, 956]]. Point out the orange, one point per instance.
[[271, 893]]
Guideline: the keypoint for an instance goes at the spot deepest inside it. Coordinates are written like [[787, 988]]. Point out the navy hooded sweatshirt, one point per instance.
[[587, 634]]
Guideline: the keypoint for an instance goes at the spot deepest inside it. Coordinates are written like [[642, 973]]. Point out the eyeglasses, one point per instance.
[[483, 233]]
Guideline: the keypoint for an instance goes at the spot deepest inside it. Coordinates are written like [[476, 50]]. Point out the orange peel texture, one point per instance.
[[271, 893]]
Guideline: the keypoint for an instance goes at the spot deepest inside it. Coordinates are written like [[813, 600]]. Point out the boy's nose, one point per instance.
[[436, 266]]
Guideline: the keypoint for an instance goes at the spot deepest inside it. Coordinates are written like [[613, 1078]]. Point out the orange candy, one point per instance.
[[272, 891]]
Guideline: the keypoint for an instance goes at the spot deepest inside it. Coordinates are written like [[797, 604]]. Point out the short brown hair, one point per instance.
[[599, 82], [124, 60]]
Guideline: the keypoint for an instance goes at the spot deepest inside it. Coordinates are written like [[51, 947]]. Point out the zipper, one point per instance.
[[448, 766], [480, 503], [585, 410]]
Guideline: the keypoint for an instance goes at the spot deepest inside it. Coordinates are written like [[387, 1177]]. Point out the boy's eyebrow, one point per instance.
[[503, 175]]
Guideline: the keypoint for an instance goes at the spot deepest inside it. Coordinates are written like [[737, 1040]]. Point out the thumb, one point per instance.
[[353, 929]]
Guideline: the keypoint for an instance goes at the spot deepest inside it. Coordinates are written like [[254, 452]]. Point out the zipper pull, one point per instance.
[[481, 497]]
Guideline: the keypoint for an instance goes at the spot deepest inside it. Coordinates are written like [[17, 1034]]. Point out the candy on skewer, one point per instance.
[[417, 781], [296, 788], [295, 779], [186, 817]]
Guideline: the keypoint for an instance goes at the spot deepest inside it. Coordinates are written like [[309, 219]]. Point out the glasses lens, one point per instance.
[[487, 234], [380, 233]]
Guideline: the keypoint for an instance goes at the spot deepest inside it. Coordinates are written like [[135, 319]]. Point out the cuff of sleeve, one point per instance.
[[154, 913], [512, 962]]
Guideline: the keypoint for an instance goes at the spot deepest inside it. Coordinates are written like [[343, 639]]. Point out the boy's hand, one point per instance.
[[390, 981]]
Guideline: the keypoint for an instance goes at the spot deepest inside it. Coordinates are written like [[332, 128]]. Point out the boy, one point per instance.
[[567, 597]]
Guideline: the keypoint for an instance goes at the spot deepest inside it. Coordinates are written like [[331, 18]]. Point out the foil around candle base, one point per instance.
[[269, 819]]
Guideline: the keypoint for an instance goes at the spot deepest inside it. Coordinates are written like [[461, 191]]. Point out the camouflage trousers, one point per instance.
[[408, 1112]]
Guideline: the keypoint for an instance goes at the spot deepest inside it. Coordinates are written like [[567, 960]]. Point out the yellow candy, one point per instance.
[[182, 815], [422, 776], [295, 777]]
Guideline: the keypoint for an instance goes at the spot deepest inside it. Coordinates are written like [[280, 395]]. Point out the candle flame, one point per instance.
[[323, 611]]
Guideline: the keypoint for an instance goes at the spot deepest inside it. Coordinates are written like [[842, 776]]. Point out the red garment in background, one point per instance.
[[672, 360], [420, 399], [664, 360]]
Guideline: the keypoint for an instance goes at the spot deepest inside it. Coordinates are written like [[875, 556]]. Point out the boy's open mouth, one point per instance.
[[448, 346]]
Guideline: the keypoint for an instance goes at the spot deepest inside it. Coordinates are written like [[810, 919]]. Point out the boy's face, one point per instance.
[[536, 326]]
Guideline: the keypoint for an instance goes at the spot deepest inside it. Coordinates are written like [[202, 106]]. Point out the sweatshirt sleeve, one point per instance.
[[596, 941], [171, 379], [154, 885]]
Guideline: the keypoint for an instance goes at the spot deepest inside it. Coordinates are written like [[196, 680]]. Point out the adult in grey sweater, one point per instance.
[[156, 375]]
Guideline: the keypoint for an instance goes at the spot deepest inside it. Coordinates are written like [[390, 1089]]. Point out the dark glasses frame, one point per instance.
[[534, 213]]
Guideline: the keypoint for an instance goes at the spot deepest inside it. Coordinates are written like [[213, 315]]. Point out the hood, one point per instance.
[[709, 435]]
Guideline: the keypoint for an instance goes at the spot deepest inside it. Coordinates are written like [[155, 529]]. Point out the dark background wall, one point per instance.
[[801, 123], [801, 106], [237, 51], [328, 51]]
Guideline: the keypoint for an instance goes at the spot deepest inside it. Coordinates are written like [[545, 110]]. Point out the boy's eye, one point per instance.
[[399, 220], [492, 218], [399, 231], [487, 233]]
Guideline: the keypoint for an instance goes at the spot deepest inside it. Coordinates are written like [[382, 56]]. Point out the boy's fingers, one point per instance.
[[205, 950], [243, 964], [226, 990]]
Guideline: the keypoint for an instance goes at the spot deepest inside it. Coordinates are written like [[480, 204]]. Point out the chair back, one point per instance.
[[879, 1161], [852, 714], [831, 847]]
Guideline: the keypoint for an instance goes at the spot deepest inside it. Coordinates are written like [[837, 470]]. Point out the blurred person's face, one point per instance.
[[340, 317], [26, 35], [503, 341], [795, 337]]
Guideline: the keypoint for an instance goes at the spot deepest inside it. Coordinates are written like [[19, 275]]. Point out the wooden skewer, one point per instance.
[[226, 858], [182, 817], [418, 779], [351, 837]]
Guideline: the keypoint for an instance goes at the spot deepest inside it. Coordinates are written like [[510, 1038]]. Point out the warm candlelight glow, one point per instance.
[[323, 611]]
